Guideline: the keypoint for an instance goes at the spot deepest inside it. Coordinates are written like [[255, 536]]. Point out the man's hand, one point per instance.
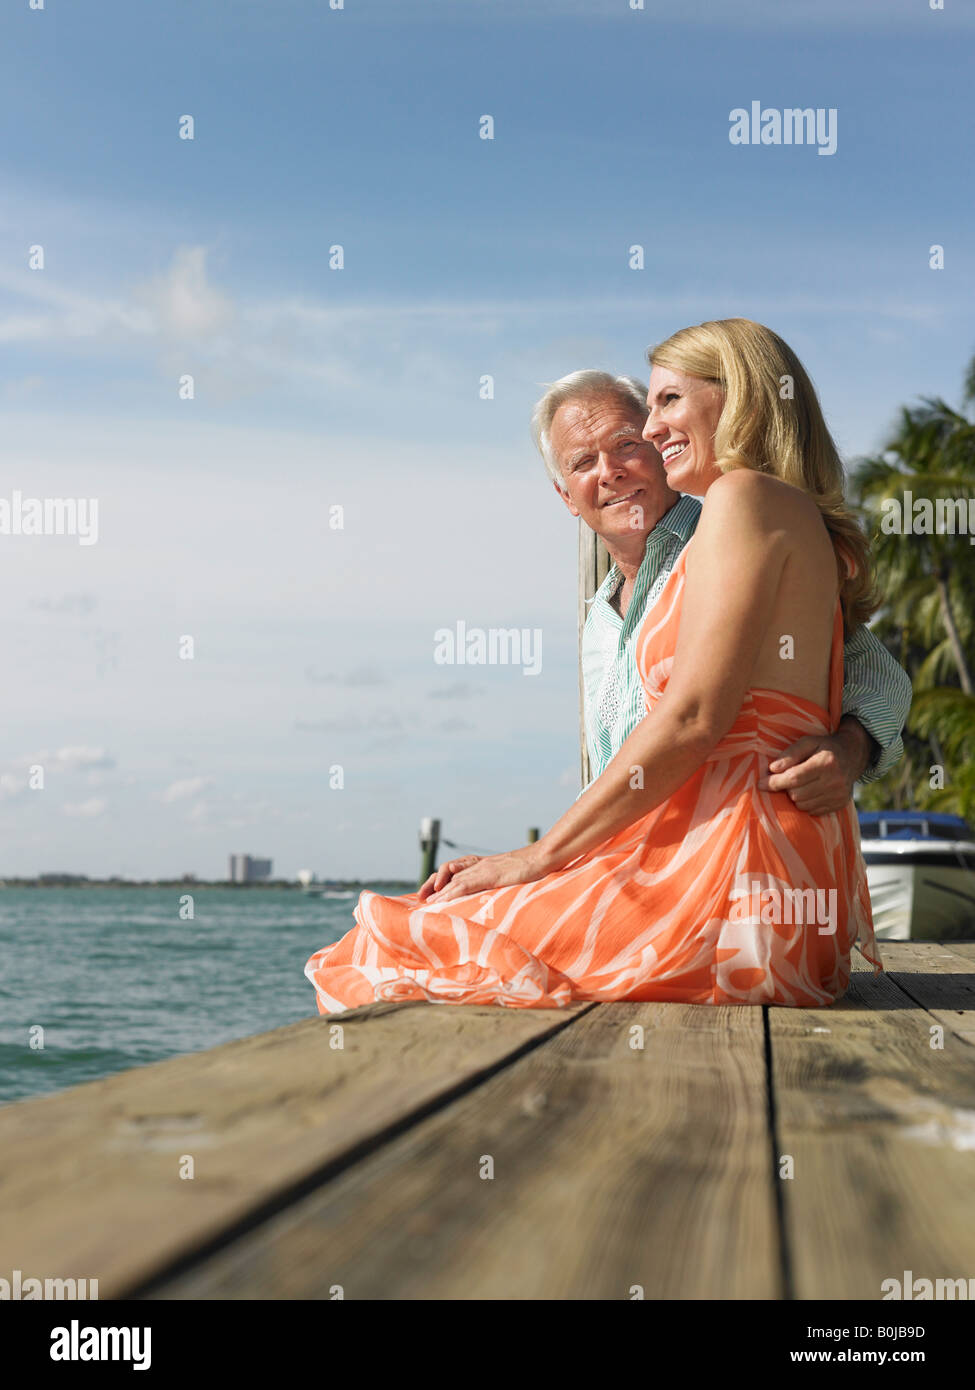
[[495, 871], [818, 771]]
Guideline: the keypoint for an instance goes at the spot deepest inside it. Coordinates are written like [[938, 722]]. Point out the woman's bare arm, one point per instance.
[[733, 571]]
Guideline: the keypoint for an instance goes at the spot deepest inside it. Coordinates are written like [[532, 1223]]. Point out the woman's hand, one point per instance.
[[442, 876], [495, 871]]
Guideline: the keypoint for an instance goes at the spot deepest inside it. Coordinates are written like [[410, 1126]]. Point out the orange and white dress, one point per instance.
[[723, 894]]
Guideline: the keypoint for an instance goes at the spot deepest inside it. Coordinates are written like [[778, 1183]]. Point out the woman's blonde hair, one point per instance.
[[772, 422]]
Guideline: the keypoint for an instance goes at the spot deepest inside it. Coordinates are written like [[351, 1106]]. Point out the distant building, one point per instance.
[[244, 868]]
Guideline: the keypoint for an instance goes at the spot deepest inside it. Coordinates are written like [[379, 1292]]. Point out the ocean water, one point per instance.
[[116, 979]]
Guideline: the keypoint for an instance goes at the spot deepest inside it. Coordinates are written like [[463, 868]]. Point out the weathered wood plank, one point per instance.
[[938, 978], [878, 1125], [613, 1167], [91, 1182], [965, 949]]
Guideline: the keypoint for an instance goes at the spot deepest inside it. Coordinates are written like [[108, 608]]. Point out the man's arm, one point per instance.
[[877, 693]]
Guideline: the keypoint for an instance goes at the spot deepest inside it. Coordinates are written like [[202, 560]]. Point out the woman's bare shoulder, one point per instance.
[[762, 500]]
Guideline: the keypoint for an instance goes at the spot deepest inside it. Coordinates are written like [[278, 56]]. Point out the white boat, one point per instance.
[[315, 888], [921, 875]]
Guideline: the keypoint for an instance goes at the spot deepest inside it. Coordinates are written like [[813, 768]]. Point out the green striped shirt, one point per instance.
[[876, 690]]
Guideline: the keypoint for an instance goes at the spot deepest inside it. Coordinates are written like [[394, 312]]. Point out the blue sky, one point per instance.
[[359, 387]]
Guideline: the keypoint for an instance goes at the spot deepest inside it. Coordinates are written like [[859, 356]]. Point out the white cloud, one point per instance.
[[187, 787], [86, 810], [182, 303], [360, 676], [78, 759], [241, 345], [94, 763], [460, 690], [11, 786], [78, 603], [74, 315], [20, 387], [351, 723], [455, 726]]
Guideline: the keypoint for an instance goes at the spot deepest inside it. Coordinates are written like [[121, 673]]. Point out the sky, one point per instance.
[[337, 491]]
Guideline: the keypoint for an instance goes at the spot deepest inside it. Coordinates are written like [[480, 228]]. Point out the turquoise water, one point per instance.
[[116, 979]]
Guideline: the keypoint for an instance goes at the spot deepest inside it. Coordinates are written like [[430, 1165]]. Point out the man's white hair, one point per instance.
[[579, 386]]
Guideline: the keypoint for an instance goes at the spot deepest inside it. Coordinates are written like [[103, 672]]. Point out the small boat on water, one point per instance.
[[314, 887], [921, 875]]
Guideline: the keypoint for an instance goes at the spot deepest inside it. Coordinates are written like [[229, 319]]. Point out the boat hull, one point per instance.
[[920, 898]]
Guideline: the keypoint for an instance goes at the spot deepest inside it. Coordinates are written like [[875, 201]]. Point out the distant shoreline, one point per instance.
[[187, 884]]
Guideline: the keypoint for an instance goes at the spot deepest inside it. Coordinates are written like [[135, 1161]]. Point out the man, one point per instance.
[[589, 430]]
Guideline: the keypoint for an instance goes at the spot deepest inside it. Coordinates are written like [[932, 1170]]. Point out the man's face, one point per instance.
[[614, 478]]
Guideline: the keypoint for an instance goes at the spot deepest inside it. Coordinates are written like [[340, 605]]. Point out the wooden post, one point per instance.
[[532, 834], [429, 842], [594, 565]]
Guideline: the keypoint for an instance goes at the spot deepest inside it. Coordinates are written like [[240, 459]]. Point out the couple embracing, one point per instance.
[[733, 696]]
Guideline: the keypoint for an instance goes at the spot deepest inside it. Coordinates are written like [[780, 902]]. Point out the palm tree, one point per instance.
[[946, 716], [929, 458], [925, 565]]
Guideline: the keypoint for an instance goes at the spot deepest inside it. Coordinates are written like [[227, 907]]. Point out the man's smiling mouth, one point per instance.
[[628, 497]]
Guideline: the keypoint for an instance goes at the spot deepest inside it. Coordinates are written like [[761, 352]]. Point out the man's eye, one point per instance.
[[627, 443]]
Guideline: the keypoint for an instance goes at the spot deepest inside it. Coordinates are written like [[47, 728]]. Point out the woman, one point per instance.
[[674, 877]]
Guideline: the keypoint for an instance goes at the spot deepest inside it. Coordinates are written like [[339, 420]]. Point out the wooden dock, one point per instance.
[[609, 1151]]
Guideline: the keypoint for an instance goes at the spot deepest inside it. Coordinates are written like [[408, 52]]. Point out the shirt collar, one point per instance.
[[679, 521]]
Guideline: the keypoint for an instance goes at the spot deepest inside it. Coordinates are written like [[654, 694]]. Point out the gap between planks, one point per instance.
[[878, 1120], [616, 1171], [91, 1181]]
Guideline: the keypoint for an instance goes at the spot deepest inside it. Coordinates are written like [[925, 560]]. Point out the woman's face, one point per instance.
[[684, 415]]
